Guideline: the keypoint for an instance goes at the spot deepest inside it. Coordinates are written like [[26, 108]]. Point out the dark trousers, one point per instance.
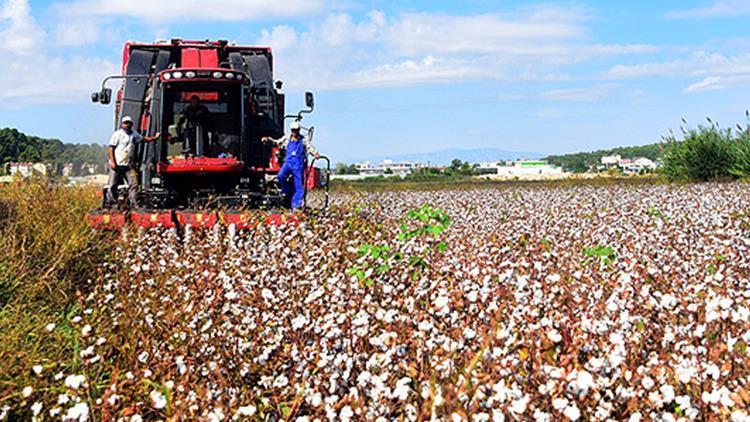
[[116, 177]]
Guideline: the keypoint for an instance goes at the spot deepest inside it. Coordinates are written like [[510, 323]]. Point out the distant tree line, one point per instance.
[[16, 146], [582, 162]]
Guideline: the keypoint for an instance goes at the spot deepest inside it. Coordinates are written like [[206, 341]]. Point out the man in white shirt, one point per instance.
[[121, 149]]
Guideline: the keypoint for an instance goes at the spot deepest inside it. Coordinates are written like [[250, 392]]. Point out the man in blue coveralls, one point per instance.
[[297, 147]]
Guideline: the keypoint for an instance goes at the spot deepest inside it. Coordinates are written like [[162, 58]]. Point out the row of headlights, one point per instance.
[[178, 74]]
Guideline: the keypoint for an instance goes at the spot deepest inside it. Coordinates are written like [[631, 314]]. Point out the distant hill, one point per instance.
[[17, 146], [445, 156], [581, 161]]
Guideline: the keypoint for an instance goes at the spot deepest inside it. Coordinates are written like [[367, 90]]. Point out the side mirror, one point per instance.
[[105, 96], [309, 100], [94, 97], [279, 85]]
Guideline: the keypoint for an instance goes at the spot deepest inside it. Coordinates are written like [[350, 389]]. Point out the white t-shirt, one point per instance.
[[123, 143]]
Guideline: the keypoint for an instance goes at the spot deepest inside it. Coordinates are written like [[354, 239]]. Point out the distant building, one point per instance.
[[638, 165], [68, 170], [611, 161], [27, 169], [387, 167], [490, 167], [529, 168]]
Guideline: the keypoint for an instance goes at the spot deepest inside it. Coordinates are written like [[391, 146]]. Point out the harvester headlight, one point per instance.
[[190, 74], [239, 77], [167, 76], [229, 75], [217, 75], [177, 75], [156, 181]]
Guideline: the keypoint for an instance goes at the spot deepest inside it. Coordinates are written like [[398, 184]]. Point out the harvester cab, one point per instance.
[[211, 103]]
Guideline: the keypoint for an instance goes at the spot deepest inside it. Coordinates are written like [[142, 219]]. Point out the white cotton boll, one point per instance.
[[86, 330], [554, 336], [667, 392], [441, 302], [401, 391], [79, 412], [89, 351], [425, 325], [498, 416], [267, 294], [158, 399], [346, 414], [647, 383], [37, 369], [612, 306], [572, 412], [711, 398], [635, 417], [281, 381], [518, 406], [480, 417], [580, 383], [316, 400], [248, 410], [472, 296], [113, 399], [725, 303], [700, 330], [711, 315], [50, 327], [26, 392], [74, 382], [63, 399], [299, 322], [469, 333], [668, 301], [740, 416], [559, 403], [726, 399], [713, 371], [683, 401]]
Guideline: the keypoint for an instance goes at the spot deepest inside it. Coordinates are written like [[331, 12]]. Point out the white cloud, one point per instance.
[[410, 72], [51, 81], [714, 71], [18, 29], [717, 83], [722, 8], [75, 33], [190, 10], [418, 48], [585, 94], [32, 73]]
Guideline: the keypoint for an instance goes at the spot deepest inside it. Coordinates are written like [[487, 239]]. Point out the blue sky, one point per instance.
[[395, 77]]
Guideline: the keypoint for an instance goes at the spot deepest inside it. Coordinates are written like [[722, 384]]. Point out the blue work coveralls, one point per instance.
[[294, 168]]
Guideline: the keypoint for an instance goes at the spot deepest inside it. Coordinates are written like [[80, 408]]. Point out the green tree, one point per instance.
[[705, 154]]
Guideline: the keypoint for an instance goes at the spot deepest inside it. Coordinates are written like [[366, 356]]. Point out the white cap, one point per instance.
[[295, 125], [126, 119]]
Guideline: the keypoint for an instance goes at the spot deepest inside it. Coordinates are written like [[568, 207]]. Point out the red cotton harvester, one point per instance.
[[210, 170]]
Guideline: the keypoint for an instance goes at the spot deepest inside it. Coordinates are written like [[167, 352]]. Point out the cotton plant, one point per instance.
[[508, 318]]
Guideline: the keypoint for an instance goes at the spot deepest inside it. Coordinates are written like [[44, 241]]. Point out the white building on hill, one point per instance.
[[27, 169]]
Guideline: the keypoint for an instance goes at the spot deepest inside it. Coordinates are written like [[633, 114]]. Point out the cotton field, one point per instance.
[[517, 303]]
